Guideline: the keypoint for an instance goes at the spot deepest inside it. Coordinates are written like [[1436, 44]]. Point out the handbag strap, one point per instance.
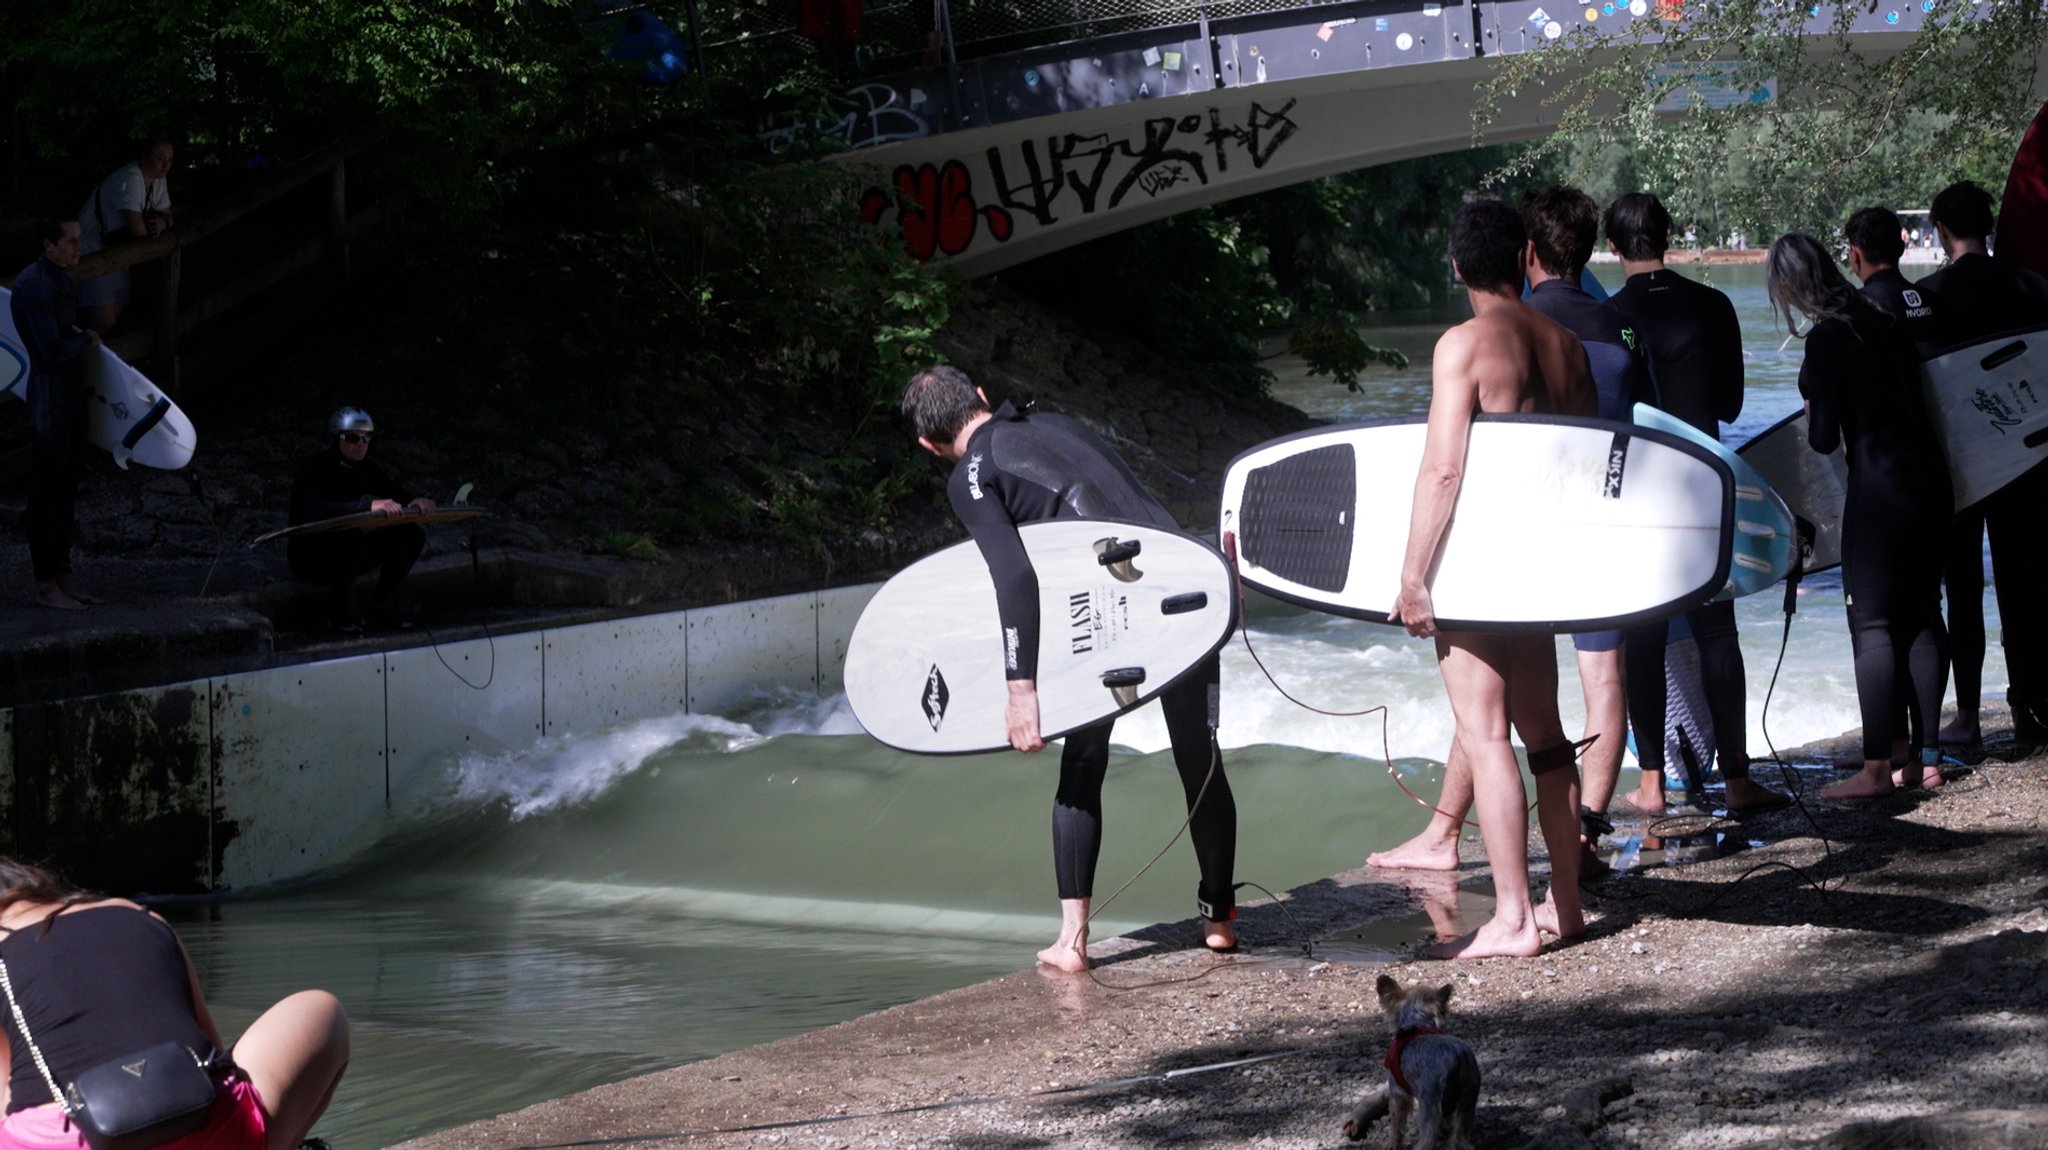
[[35, 1052]]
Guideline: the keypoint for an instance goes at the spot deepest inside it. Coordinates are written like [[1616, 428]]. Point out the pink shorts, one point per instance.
[[237, 1124]]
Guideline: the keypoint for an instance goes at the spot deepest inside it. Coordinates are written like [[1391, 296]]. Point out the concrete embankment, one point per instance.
[[1851, 975]]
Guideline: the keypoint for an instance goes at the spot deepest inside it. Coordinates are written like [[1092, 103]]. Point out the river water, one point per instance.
[[596, 907]]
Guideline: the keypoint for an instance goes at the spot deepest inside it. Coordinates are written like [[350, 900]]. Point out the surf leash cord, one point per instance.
[[925, 1107]]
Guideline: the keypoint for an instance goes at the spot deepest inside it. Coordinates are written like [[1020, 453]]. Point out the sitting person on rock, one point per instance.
[[342, 481]]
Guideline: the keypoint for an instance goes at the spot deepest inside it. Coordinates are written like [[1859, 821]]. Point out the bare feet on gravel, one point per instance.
[[50, 595], [1962, 731], [1547, 921], [1219, 936], [1646, 799], [1873, 781], [1747, 796], [1425, 851], [1923, 776], [1496, 939], [65, 585]]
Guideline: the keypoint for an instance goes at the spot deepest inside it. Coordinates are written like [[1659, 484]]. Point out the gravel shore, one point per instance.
[[1852, 975]]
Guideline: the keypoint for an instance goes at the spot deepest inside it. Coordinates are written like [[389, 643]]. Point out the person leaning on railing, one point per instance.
[[93, 980], [132, 203]]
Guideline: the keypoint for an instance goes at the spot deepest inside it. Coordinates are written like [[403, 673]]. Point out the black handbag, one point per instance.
[[134, 1103]]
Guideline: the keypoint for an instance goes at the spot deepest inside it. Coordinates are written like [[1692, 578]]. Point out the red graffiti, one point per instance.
[[935, 208]]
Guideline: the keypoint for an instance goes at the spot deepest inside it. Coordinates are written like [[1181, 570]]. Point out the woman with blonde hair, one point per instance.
[[91, 980], [1861, 382]]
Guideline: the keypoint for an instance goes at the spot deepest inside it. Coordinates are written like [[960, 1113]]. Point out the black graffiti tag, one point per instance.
[[1079, 165]]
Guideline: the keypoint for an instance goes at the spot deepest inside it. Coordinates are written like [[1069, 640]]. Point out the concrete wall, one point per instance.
[[245, 780]]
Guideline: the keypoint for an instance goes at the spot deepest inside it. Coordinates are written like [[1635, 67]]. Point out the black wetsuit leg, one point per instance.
[[1894, 609], [393, 551], [1212, 825], [56, 408], [1963, 576], [1084, 763], [2019, 566], [1643, 683], [1077, 810], [1722, 678]]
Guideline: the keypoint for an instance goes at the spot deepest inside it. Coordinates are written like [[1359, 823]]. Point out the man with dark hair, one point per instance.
[[1562, 224], [1694, 343], [1984, 297], [1011, 468], [1877, 240], [45, 313], [1506, 358]]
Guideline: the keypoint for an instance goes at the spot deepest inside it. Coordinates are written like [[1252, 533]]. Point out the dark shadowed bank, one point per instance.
[[1869, 975]]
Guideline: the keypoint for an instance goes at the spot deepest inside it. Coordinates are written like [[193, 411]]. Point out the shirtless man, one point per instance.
[[1506, 358]]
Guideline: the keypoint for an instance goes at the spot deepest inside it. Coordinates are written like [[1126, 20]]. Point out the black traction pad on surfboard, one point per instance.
[[1297, 517]]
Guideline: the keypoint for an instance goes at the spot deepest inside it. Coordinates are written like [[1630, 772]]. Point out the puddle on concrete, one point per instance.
[[1447, 911]]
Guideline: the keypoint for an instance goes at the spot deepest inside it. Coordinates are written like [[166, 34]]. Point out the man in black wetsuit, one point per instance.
[[1984, 297], [1562, 225], [1695, 348], [343, 481], [1011, 468], [45, 313]]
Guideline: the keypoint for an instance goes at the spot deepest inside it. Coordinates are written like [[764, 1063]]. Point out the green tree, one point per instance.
[[1855, 119]]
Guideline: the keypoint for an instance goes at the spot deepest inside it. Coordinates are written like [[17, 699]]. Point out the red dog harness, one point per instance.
[[1401, 1039]]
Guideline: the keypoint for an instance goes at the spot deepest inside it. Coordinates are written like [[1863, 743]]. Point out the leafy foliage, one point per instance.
[[1857, 119]]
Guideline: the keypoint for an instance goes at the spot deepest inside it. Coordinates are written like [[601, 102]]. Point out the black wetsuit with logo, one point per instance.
[[1983, 297], [1620, 374], [1694, 343], [1861, 382], [1024, 468]]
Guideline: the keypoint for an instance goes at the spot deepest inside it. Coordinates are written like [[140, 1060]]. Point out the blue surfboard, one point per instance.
[[13, 366], [1764, 542]]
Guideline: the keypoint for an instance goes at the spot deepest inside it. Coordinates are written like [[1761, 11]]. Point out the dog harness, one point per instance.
[[1401, 1039]]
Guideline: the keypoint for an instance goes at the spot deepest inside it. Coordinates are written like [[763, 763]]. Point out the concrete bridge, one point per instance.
[[989, 162]]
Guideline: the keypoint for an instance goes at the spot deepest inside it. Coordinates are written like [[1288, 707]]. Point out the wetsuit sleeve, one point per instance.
[[1817, 386], [35, 301], [1009, 566], [1727, 361], [314, 497]]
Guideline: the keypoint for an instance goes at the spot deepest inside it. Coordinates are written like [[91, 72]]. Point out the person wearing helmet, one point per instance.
[[342, 480]]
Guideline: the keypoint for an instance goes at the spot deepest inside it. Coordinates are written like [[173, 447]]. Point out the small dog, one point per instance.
[[1428, 1071]]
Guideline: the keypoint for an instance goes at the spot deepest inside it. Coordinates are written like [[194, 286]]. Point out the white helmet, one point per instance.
[[350, 419]]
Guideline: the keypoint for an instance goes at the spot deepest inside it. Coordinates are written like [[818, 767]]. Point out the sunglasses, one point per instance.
[[355, 437]]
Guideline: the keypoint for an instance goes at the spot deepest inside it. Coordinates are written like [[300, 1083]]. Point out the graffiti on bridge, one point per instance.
[[860, 117], [940, 213], [935, 208]]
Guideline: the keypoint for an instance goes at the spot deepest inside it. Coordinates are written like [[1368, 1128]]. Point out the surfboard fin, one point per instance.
[[1116, 554], [462, 494], [1123, 683]]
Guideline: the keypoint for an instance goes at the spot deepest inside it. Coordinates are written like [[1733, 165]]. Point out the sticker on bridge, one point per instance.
[[1539, 17]]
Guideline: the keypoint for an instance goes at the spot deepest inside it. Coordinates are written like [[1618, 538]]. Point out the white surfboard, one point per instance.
[[1989, 405], [1814, 487], [1765, 541], [924, 667], [127, 416], [1562, 524]]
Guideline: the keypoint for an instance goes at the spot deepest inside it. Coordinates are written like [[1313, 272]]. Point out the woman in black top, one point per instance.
[[1862, 387], [101, 978]]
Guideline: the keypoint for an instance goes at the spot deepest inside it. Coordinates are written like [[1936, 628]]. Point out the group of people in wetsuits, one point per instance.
[[1664, 340]]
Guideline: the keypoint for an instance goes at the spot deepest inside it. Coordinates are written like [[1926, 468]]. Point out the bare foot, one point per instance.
[[69, 588], [1924, 777], [1547, 921], [1423, 852], [1495, 939], [1219, 936], [1747, 796], [1864, 784], [1071, 957], [49, 596], [1647, 799]]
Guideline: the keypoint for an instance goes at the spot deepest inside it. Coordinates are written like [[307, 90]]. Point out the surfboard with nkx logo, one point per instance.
[[1125, 610], [1562, 523]]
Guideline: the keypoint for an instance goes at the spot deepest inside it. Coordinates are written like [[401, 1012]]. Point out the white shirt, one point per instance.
[[124, 191]]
